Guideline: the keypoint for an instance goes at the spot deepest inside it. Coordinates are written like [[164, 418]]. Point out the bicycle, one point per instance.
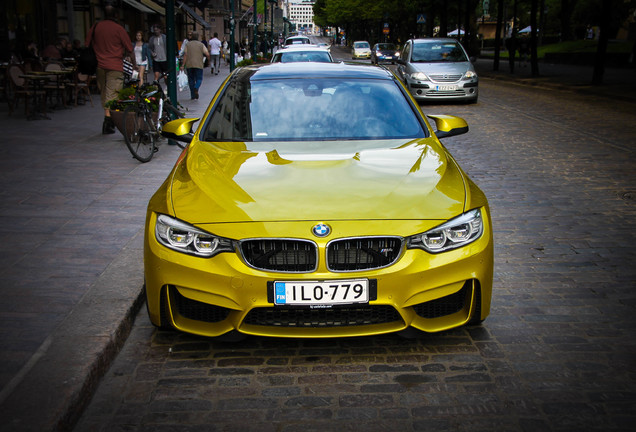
[[143, 123]]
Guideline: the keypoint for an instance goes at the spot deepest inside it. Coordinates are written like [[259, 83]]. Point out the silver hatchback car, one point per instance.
[[438, 69]]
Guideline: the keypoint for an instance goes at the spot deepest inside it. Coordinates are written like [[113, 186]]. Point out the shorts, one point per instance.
[[161, 67], [109, 83]]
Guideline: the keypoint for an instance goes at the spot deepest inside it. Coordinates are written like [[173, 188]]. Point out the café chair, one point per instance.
[[18, 88]]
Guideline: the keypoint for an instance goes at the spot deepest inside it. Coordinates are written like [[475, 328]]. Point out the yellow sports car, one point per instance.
[[314, 201]]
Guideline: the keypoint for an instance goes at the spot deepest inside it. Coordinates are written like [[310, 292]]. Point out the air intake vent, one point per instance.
[[280, 255], [363, 253]]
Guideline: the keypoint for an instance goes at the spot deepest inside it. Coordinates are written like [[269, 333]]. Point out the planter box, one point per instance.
[[118, 119]]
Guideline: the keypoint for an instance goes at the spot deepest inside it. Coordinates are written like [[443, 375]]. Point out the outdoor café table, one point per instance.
[[35, 84], [61, 75]]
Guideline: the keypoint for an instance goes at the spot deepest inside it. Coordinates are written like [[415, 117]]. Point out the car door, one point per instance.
[[406, 56]]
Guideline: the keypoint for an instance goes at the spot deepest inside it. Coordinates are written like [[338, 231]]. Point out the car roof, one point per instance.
[[435, 40], [303, 47], [315, 70], [297, 38]]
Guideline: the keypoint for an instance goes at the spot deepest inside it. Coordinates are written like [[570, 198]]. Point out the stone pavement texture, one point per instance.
[[72, 211]]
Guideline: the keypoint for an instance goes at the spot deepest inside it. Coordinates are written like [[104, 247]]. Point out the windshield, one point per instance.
[[386, 47], [361, 45], [438, 52], [297, 40], [312, 109]]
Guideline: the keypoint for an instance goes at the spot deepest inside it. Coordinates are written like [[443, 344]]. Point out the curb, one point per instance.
[[79, 351]]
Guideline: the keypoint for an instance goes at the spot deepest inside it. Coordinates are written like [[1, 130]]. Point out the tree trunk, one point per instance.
[[500, 8], [534, 58], [601, 50]]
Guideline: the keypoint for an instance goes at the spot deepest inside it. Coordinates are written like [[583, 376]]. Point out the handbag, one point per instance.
[[128, 68], [182, 80], [87, 61]]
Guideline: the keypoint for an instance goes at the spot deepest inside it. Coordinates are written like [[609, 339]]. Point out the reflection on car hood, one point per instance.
[[442, 67], [236, 182]]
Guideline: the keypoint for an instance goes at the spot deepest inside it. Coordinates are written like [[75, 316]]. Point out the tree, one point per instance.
[[599, 62]]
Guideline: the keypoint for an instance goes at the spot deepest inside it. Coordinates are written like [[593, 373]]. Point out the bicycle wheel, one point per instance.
[[138, 133]]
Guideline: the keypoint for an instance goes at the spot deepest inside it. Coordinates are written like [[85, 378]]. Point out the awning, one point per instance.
[[194, 15], [154, 6], [139, 6]]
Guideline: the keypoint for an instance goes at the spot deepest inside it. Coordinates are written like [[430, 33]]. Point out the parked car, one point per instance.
[[437, 69], [361, 49], [302, 53], [297, 40], [384, 52], [315, 201]]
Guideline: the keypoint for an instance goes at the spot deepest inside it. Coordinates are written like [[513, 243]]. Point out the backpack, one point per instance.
[[87, 61]]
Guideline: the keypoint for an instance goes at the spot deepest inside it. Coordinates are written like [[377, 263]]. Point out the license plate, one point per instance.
[[314, 293], [446, 88]]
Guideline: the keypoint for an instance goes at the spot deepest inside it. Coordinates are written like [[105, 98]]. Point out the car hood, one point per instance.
[[450, 68], [243, 182]]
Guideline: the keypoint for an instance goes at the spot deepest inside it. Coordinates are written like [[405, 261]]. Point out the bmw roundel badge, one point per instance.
[[321, 230]]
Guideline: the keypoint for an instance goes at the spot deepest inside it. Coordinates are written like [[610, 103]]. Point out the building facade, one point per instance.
[[301, 13], [44, 21]]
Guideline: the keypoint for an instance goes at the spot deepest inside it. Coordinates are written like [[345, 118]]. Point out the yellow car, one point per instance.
[[361, 50], [315, 201]]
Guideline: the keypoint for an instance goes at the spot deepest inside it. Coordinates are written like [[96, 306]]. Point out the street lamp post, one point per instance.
[[255, 32], [231, 35], [272, 27]]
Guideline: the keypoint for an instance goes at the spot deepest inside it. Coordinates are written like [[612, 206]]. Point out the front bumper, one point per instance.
[[361, 55], [386, 58], [214, 296], [431, 90]]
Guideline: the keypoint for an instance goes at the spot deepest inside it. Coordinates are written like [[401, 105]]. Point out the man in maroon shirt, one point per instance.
[[111, 43]]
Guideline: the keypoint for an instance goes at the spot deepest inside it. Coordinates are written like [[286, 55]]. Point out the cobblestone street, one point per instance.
[[557, 353]]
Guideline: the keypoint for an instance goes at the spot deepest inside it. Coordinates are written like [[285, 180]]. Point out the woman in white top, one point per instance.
[[142, 55]]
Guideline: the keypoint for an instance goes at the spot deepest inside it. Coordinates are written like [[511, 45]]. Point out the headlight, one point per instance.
[[469, 75], [185, 238], [455, 233], [421, 76]]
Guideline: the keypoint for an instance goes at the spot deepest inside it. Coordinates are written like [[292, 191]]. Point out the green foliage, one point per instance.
[[364, 19], [126, 96], [245, 62], [259, 59]]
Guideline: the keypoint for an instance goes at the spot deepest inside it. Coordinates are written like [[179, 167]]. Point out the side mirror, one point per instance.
[[179, 129], [448, 126]]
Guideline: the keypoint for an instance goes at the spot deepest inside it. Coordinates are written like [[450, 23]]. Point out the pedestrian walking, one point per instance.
[[142, 55], [111, 44], [184, 43], [159, 51], [193, 62], [226, 51], [215, 52]]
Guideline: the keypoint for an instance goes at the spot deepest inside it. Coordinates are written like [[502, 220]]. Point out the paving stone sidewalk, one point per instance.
[[72, 209]]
